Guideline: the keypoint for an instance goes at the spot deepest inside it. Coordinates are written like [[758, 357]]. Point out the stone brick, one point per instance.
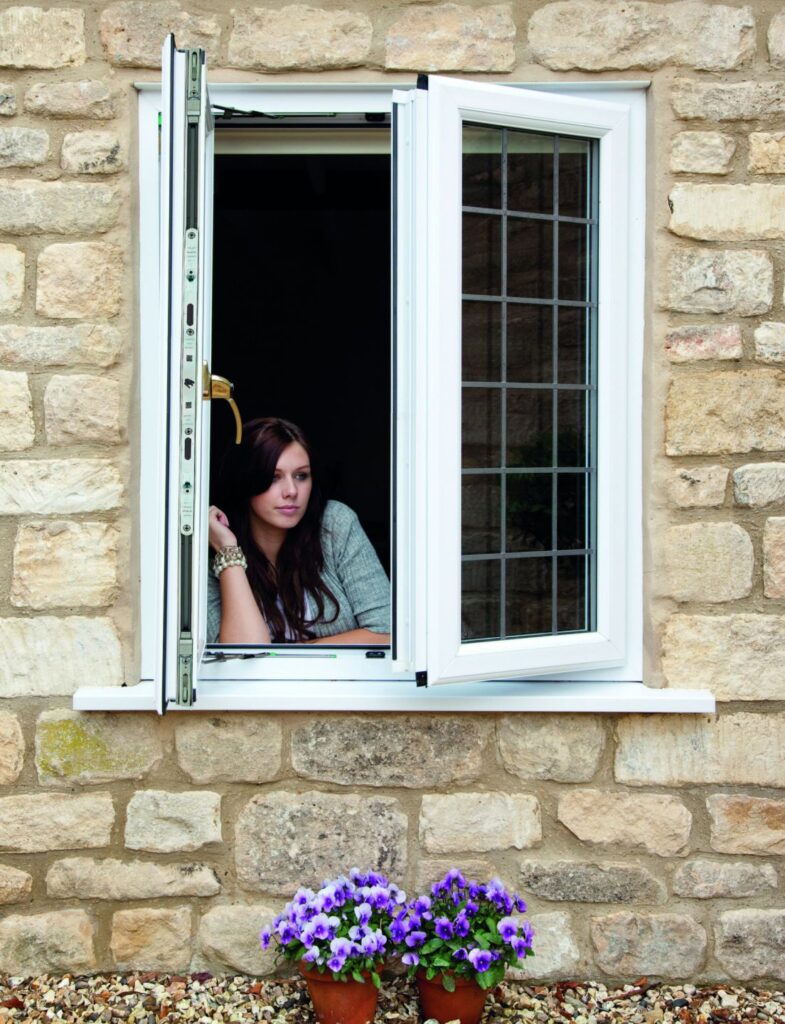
[[650, 822], [298, 37], [285, 840], [774, 557], [567, 748], [739, 282], [706, 341], [79, 279], [133, 32], [452, 37], [728, 213], [710, 562], [152, 940], [557, 955], [711, 879], [47, 656], [737, 657], [59, 564], [751, 943], [228, 940], [694, 99], [229, 748], [776, 40], [12, 748], [17, 429], [24, 345], [12, 278], [702, 153], [767, 153], [15, 885], [23, 147], [413, 751], [162, 822], [760, 483], [55, 207], [628, 944], [747, 824], [699, 487], [479, 822], [93, 153], [598, 35], [7, 99], [770, 343], [85, 878], [49, 486], [89, 99], [582, 882], [47, 943], [31, 37], [430, 871], [82, 409], [737, 750], [55, 821], [726, 412], [72, 748]]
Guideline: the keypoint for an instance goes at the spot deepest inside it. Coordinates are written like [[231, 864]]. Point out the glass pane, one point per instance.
[[528, 596], [529, 258], [481, 515], [573, 266], [529, 172], [571, 510], [573, 345], [529, 344], [530, 427], [482, 166], [571, 593], [571, 418], [481, 428], [573, 177], [529, 511], [480, 590], [482, 341], [482, 254]]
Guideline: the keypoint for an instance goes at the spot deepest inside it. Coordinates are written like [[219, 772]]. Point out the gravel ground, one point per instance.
[[166, 999]]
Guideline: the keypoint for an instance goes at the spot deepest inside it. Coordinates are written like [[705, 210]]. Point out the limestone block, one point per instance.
[[698, 487], [284, 840], [557, 955], [770, 343], [628, 944], [747, 824], [767, 153], [12, 748], [702, 153], [48, 486], [583, 882], [72, 748], [23, 147], [726, 412], [298, 37], [694, 99], [57, 207], [82, 409], [89, 99], [24, 345], [452, 37], [48, 656], [47, 943], [565, 748], [712, 879], [79, 279], [93, 153], [164, 822], [704, 341], [737, 750], [739, 282], [707, 562], [7, 99], [776, 40], [15, 885], [774, 557], [133, 32], [85, 878], [17, 429], [228, 939], [728, 213], [433, 870], [737, 657], [479, 822], [751, 943], [760, 483], [60, 564], [413, 751], [12, 278], [55, 821], [654, 823], [32, 37], [228, 748], [152, 940]]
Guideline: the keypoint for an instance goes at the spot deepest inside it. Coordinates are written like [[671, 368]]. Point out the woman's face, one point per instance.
[[284, 502]]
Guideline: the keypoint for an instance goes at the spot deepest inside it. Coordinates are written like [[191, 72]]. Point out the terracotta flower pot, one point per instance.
[[466, 1003], [340, 1002]]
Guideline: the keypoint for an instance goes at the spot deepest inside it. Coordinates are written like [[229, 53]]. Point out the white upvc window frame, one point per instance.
[[615, 682]]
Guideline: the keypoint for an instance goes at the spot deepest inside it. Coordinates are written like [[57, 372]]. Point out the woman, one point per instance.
[[290, 567]]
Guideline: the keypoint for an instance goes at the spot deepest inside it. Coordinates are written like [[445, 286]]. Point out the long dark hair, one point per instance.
[[247, 470]]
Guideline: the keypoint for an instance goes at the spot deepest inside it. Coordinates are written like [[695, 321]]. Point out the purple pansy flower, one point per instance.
[[507, 928], [414, 939], [480, 960], [443, 927], [410, 959], [460, 954]]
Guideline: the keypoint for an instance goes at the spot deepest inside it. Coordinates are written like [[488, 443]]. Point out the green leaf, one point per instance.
[[377, 981], [430, 974], [357, 976], [448, 982], [430, 946], [484, 981]]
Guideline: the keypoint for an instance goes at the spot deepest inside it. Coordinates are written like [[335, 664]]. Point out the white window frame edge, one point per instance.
[[383, 694]]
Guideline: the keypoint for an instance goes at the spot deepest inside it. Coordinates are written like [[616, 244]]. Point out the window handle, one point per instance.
[[214, 386]]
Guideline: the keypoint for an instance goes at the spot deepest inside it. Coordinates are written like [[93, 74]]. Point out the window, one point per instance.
[[515, 284]]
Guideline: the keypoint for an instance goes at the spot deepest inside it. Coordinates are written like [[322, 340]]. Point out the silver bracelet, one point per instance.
[[230, 555]]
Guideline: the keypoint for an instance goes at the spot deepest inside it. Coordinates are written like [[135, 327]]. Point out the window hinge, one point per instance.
[[421, 678], [422, 82]]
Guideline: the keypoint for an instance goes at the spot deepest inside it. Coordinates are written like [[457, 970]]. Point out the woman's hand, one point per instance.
[[220, 534]]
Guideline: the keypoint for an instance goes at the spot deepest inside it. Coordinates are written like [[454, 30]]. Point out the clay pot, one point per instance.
[[340, 1002], [466, 1003]]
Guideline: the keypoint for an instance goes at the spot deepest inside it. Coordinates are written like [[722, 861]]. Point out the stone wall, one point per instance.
[[646, 844]]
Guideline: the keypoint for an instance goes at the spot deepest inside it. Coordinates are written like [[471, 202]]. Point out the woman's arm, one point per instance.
[[241, 620], [363, 637]]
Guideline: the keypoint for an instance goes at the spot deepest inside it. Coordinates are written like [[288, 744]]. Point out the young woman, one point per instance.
[[290, 567]]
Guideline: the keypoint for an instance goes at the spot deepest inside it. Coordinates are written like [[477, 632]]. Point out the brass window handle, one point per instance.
[[214, 386]]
